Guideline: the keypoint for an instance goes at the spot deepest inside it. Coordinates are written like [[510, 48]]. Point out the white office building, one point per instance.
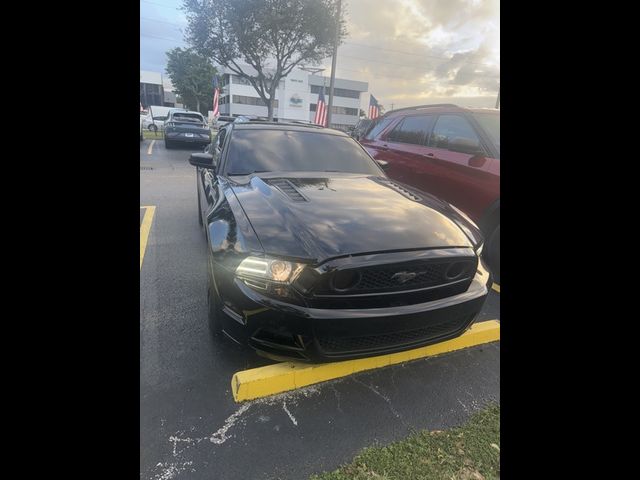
[[156, 89], [296, 97]]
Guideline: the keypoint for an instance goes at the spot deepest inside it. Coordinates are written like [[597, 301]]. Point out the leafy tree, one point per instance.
[[271, 36], [192, 77]]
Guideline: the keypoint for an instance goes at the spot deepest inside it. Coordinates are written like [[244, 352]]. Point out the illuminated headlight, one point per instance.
[[271, 269]]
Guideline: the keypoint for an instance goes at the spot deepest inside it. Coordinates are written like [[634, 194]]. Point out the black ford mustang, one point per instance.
[[315, 254]]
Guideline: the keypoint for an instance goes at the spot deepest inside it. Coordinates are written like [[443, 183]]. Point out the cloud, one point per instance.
[[409, 51], [423, 49]]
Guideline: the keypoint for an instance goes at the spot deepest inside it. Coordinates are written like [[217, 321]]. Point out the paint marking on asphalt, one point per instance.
[[496, 287], [144, 229], [150, 149], [282, 377]]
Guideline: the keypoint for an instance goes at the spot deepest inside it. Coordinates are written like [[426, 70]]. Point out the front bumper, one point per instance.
[[284, 331]]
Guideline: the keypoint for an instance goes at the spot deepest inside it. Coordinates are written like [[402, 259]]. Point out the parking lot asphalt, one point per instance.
[[190, 426]]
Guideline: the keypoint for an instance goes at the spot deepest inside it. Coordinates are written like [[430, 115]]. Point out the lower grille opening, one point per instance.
[[346, 345], [278, 338]]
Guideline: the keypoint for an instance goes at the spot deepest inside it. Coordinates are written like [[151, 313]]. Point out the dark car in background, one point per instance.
[[360, 128], [222, 120], [186, 127], [315, 254], [450, 152]]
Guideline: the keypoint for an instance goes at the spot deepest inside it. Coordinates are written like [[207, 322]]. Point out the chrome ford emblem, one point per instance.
[[403, 277]]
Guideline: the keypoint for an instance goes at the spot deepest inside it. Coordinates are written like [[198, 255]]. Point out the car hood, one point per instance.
[[319, 216]]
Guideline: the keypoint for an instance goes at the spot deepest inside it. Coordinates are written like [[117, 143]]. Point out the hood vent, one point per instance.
[[404, 191], [288, 188]]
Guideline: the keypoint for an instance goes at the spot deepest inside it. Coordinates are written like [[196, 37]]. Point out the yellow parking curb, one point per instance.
[[496, 287], [281, 377]]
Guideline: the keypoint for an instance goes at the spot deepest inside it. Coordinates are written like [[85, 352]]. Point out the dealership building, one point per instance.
[[295, 99], [156, 90]]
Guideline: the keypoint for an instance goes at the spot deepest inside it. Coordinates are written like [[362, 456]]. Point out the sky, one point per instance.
[[411, 52]]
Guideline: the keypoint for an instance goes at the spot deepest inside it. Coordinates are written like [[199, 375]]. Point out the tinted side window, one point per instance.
[[412, 130], [378, 127], [452, 128]]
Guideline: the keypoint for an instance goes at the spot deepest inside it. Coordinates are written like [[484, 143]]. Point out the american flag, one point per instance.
[[321, 110], [374, 108], [216, 97]]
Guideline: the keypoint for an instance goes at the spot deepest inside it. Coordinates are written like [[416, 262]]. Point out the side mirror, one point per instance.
[[202, 160], [466, 145], [477, 161], [383, 164]]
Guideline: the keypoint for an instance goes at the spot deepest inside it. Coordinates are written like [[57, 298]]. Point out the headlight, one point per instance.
[[271, 269]]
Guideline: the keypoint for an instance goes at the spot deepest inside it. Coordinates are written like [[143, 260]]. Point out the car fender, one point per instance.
[[230, 234]]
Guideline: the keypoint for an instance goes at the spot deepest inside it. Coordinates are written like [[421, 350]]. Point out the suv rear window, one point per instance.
[[267, 150]]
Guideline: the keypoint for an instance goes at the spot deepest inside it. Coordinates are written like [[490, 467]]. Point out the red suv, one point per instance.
[[450, 152]]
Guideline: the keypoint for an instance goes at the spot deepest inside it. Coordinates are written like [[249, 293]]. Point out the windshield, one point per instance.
[[490, 122], [290, 151]]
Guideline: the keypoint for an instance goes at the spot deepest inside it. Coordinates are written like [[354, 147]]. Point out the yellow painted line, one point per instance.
[[144, 229], [282, 377], [150, 149], [496, 287]]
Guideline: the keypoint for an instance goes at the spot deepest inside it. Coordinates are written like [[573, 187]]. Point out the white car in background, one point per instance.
[[141, 129], [155, 123]]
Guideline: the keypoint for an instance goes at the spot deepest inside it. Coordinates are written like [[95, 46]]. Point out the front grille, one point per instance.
[[397, 277], [336, 345], [390, 277]]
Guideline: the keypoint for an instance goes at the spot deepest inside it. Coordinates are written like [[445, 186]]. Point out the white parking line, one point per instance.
[[149, 150]]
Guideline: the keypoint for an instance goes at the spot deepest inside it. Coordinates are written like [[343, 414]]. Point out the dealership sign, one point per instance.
[[295, 101]]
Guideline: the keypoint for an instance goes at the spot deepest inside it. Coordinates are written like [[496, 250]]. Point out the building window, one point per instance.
[[237, 79], [243, 100], [338, 92], [337, 110], [223, 100]]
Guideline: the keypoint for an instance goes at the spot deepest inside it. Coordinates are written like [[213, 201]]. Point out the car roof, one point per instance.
[[296, 127], [438, 108]]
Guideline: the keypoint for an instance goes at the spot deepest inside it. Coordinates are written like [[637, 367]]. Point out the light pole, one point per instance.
[[333, 65], [498, 100]]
